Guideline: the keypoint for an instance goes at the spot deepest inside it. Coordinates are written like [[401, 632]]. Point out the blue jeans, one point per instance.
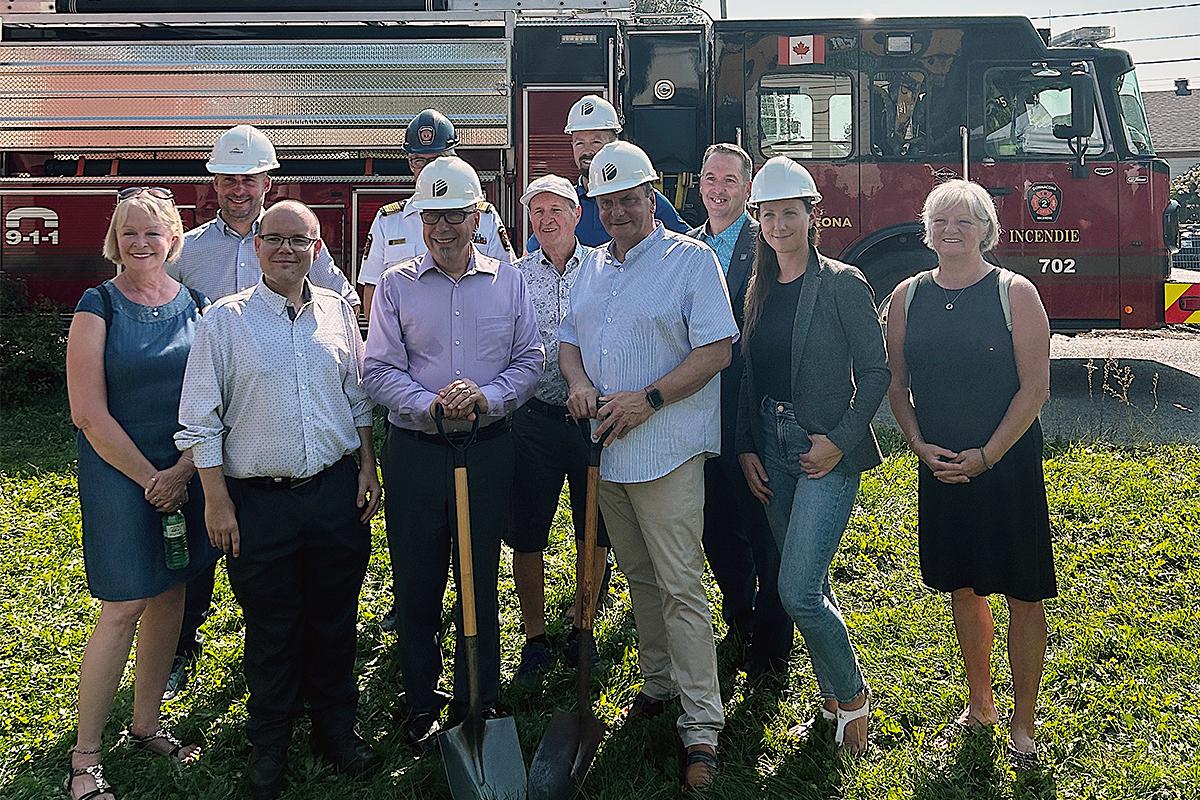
[[808, 518]]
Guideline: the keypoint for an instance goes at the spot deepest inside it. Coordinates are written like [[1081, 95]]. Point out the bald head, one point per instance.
[[294, 212], [288, 239]]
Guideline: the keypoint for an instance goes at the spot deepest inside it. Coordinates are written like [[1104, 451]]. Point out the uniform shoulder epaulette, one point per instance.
[[486, 207], [392, 208]]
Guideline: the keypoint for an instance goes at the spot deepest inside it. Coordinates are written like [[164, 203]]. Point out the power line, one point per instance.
[[1119, 11], [1169, 61], [1155, 38]]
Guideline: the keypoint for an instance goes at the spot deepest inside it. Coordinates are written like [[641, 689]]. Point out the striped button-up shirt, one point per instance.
[[428, 329], [637, 320], [219, 261], [268, 396], [551, 295]]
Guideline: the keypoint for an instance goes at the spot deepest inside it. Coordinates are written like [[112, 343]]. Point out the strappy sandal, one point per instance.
[[804, 729], [708, 760], [96, 772], [162, 734], [845, 717], [1021, 761]]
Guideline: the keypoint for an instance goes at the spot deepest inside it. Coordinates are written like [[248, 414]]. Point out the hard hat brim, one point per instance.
[[620, 186], [814, 197], [443, 204], [239, 169], [615, 128]]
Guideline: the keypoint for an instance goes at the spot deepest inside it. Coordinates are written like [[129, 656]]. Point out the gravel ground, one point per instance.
[[1126, 387]]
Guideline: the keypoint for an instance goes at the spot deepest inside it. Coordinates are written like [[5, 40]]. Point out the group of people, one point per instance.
[[731, 371]]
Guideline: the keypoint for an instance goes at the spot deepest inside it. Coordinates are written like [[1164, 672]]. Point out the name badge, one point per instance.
[[397, 241]]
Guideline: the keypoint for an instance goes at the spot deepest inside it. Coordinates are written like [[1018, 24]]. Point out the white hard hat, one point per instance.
[[553, 184], [242, 150], [592, 113], [447, 183], [781, 178], [617, 167]]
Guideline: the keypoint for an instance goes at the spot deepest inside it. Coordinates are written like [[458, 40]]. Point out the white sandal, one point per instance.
[[845, 717]]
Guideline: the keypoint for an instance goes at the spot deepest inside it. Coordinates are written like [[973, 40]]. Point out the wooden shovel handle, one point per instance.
[[466, 565]]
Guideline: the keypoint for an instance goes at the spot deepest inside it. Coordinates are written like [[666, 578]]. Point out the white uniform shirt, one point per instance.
[[396, 236]]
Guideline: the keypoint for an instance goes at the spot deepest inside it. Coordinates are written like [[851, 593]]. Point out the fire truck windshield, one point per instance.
[[1133, 114]]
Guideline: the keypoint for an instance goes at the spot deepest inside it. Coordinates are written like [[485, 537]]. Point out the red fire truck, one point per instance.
[[101, 94]]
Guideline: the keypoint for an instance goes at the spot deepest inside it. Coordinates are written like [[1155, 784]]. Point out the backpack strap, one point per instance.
[[1003, 284], [921, 277]]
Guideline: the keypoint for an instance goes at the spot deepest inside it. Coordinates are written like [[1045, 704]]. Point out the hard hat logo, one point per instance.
[[588, 108], [609, 172], [440, 188], [425, 135]]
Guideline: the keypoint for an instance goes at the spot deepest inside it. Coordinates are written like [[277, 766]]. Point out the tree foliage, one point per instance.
[[1185, 189]]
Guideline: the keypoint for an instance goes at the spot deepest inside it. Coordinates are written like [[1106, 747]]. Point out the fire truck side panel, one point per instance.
[[1143, 191]]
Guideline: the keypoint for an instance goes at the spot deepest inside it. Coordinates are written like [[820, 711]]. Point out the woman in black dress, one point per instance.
[[966, 390]]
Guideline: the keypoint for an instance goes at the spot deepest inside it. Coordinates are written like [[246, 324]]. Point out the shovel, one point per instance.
[[482, 757], [570, 742]]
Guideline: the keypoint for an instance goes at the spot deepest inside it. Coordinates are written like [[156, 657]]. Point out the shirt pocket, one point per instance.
[[393, 254], [493, 338]]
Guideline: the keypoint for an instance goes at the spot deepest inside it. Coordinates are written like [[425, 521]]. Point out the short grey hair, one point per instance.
[[727, 149], [974, 198]]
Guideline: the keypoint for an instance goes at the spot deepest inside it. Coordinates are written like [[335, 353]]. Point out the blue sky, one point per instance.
[[1128, 26]]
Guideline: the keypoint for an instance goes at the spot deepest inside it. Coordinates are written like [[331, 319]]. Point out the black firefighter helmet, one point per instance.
[[430, 133]]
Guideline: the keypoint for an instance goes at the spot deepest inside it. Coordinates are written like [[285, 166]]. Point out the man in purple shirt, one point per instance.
[[455, 329]]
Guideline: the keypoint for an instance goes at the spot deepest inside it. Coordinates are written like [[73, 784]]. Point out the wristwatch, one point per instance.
[[654, 397]]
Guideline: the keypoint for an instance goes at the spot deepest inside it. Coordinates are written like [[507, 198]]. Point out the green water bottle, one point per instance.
[[175, 540]]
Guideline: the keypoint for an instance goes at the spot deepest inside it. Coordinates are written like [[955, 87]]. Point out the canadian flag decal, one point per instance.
[[802, 49]]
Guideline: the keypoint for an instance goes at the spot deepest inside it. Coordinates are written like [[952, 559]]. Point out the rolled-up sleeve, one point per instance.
[[202, 402], [706, 308], [385, 366], [516, 383]]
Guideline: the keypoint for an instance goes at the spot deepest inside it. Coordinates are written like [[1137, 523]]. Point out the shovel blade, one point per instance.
[[565, 755], [484, 761]]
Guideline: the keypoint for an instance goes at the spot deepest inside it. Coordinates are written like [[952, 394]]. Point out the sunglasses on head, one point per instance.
[[161, 192]]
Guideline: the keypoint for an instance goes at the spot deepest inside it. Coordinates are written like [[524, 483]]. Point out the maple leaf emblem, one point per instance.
[[800, 49]]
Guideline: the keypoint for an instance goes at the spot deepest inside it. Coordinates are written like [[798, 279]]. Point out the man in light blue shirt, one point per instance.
[[649, 328]]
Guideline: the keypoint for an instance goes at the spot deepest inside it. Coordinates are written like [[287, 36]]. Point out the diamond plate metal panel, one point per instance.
[[307, 95]]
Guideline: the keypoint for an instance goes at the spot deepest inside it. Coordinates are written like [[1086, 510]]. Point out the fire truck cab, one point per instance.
[[879, 111]]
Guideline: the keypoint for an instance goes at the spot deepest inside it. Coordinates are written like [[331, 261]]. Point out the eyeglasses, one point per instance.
[[161, 192], [297, 243], [451, 217]]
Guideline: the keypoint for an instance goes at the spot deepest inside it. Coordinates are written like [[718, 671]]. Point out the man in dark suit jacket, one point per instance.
[[737, 539]]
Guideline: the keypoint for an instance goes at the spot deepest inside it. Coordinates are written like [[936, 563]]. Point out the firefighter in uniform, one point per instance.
[[396, 232], [592, 123]]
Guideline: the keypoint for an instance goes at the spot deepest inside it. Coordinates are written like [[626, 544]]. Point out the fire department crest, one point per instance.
[[1043, 200], [440, 188], [425, 134], [609, 172]]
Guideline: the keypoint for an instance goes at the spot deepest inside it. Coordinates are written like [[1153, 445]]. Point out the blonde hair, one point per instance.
[[164, 211], [971, 196]]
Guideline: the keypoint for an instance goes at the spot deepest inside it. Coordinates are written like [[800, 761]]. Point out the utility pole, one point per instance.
[[724, 10]]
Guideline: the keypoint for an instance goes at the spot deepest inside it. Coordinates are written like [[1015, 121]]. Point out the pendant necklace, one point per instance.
[[949, 300]]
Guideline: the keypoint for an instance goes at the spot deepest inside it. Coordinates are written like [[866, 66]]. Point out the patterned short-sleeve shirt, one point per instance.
[[550, 292]]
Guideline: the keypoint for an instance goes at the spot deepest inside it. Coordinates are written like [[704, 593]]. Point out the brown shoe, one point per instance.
[[644, 707], [700, 767]]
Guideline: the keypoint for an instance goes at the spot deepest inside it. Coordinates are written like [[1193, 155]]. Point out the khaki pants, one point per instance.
[[656, 529]]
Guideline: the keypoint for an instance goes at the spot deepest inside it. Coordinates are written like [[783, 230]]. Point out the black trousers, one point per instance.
[[195, 610], [549, 447], [744, 560], [303, 557], [423, 541]]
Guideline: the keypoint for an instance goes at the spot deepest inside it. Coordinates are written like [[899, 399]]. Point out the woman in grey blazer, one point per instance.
[[815, 375]]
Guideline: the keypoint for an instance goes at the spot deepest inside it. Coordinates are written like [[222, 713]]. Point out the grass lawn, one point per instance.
[[1120, 710]]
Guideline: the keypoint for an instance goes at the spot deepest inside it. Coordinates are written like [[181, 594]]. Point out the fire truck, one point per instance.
[[100, 94]]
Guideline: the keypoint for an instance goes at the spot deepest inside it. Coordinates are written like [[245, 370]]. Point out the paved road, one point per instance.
[[1128, 387]]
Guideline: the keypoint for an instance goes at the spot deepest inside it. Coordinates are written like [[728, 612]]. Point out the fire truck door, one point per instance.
[[1058, 230], [799, 101], [547, 149]]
